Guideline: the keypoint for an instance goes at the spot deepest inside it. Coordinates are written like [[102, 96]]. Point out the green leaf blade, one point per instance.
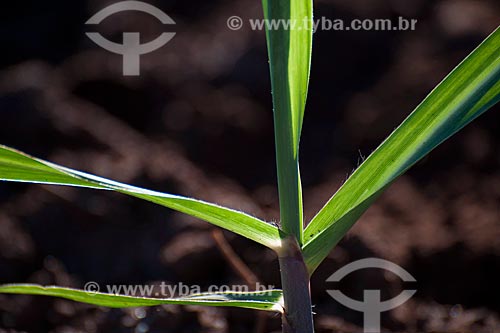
[[19, 167], [268, 300], [467, 92], [289, 48]]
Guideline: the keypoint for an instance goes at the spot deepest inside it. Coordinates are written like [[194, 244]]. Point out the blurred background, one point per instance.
[[198, 122]]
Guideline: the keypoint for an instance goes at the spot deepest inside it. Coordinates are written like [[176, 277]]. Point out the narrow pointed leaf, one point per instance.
[[289, 41], [19, 167], [467, 92], [269, 300]]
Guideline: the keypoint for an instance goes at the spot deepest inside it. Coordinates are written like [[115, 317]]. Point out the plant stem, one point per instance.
[[296, 292], [289, 62]]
